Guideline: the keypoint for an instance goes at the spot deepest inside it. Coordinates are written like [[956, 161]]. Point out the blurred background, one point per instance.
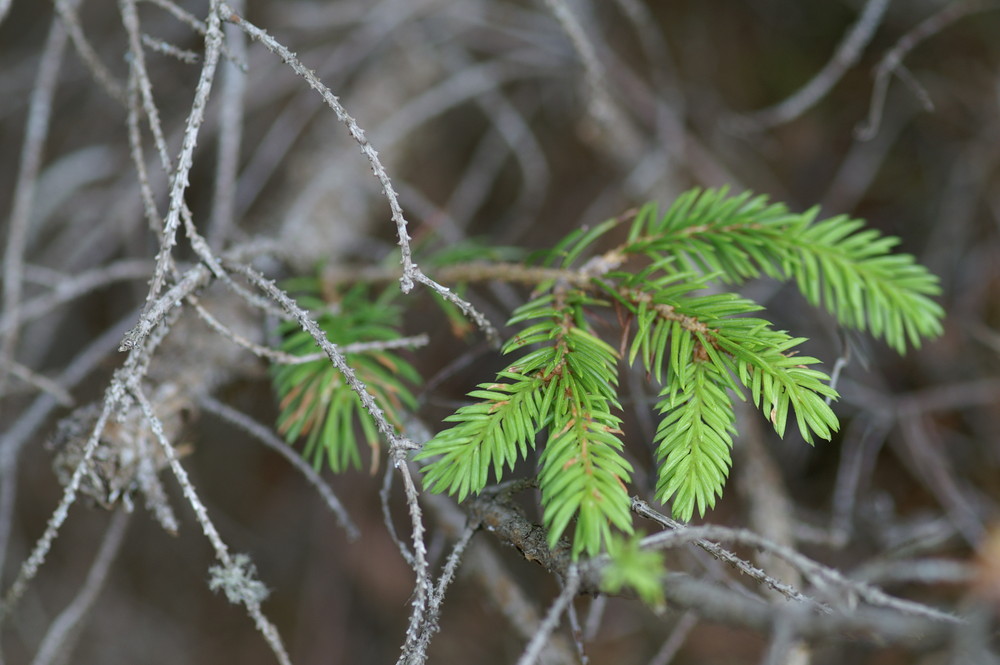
[[512, 123]]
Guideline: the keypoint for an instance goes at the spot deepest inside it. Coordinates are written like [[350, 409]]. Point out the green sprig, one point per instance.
[[315, 400], [560, 393]]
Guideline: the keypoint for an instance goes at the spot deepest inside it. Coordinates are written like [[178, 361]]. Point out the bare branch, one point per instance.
[[471, 312], [235, 566], [101, 74], [283, 358], [675, 641], [180, 176], [925, 457], [642, 509], [622, 140], [902, 622], [551, 621], [267, 437], [195, 24], [333, 352], [69, 289], [63, 630], [194, 279], [864, 625], [358, 134], [819, 575], [15, 437], [846, 56], [411, 273], [42, 383], [856, 463], [415, 647], [768, 507], [160, 46], [892, 62], [35, 133], [230, 137], [422, 590], [37, 557]]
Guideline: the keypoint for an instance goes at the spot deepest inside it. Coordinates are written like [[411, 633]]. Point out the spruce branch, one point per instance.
[[567, 387], [700, 349], [836, 263], [563, 384], [694, 440], [492, 433], [583, 472]]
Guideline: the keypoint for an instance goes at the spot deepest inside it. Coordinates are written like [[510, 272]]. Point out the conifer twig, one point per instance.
[[332, 351]]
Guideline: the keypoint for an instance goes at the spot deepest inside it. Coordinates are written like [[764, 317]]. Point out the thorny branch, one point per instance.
[[245, 593], [411, 273], [180, 177], [396, 440]]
